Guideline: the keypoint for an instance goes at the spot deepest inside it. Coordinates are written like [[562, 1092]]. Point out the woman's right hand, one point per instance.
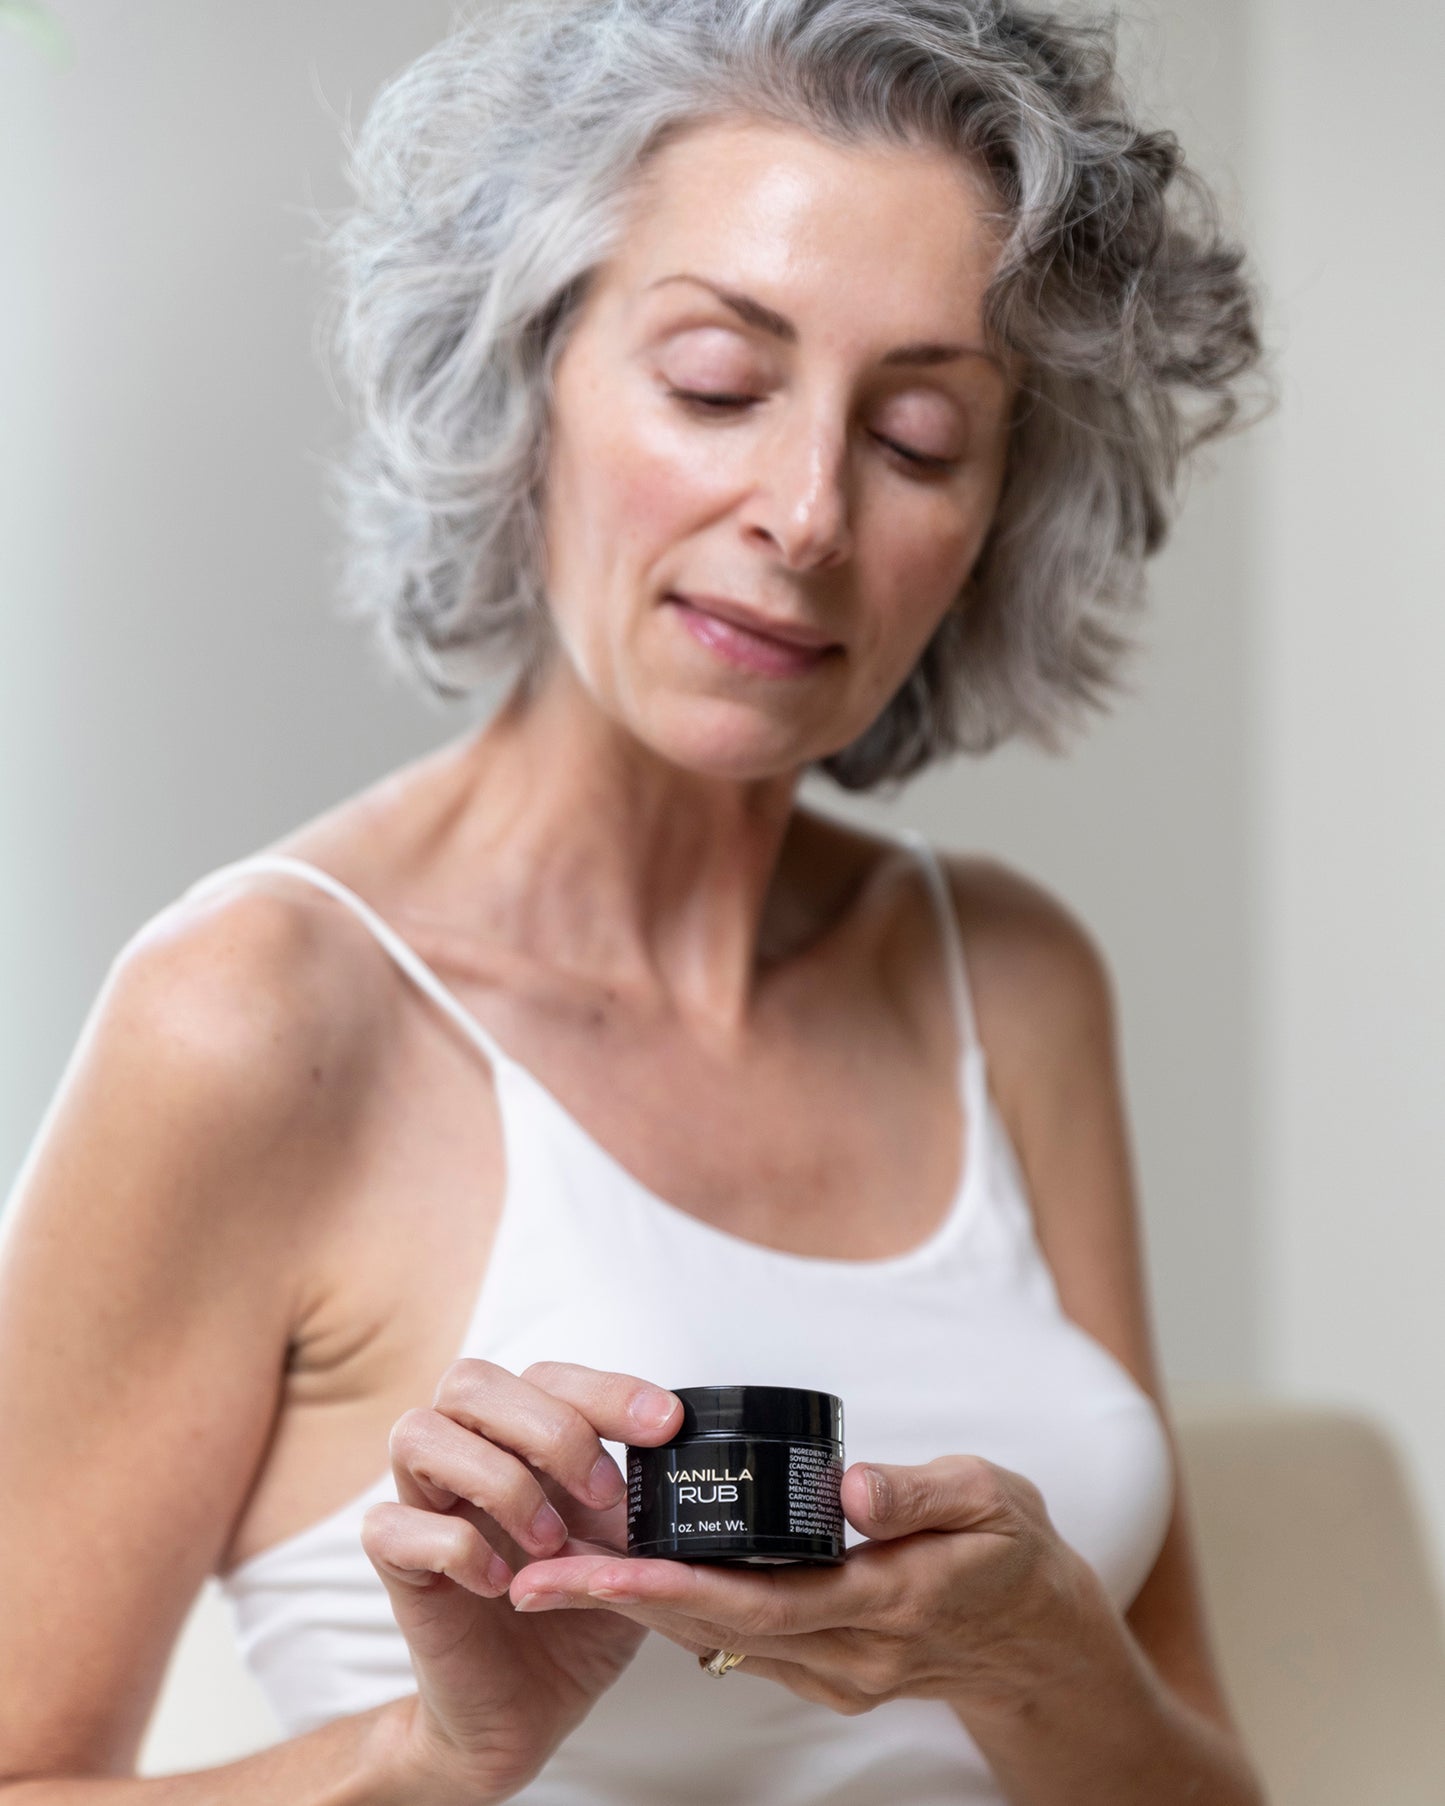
[[497, 1689]]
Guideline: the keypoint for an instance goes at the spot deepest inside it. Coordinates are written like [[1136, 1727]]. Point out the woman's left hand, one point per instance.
[[964, 1591]]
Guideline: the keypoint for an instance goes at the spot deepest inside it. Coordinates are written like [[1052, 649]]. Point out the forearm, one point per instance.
[[353, 1761], [1102, 1729]]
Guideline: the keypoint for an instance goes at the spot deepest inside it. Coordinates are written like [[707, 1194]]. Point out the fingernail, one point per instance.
[[653, 1407], [540, 1602], [880, 1493], [499, 1575], [605, 1483], [547, 1526]]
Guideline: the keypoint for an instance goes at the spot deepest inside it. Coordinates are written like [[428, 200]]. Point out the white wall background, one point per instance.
[[1350, 159], [1253, 837]]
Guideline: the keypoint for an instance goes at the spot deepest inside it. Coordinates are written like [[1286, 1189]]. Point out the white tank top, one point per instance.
[[957, 1345]]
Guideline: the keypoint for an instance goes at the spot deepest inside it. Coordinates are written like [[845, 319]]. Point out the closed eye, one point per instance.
[[718, 403]]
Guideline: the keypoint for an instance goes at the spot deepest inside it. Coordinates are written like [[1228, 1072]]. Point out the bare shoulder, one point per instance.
[[158, 1253], [1023, 934], [1039, 979], [221, 1064], [1041, 984], [258, 987]]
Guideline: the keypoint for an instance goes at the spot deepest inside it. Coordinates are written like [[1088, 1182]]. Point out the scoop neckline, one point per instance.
[[959, 1213]]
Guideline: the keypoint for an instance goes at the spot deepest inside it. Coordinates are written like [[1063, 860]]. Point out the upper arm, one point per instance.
[[1046, 1008], [152, 1264]]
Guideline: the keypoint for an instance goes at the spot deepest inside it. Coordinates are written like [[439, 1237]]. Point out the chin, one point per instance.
[[726, 739]]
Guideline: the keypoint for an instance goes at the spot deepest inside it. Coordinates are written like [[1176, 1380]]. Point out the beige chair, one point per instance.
[[1324, 1592]]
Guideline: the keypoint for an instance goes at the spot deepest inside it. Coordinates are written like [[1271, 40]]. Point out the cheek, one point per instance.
[[948, 529], [649, 499], [627, 506], [625, 483], [917, 562], [662, 481]]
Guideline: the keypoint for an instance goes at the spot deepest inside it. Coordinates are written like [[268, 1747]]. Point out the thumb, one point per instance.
[[875, 1502], [951, 1492]]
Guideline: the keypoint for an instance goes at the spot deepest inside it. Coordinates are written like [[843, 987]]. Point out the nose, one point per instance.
[[800, 501]]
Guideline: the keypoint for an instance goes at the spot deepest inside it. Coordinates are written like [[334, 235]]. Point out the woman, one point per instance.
[[771, 387]]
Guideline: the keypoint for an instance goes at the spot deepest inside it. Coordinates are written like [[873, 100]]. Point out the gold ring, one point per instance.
[[718, 1661]]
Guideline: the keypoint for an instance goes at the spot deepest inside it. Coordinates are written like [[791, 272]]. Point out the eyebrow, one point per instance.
[[767, 319]]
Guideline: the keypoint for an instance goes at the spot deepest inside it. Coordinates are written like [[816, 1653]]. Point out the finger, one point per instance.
[[535, 1592], [951, 1492], [835, 1689], [621, 1406], [554, 1414], [825, 1652], [834, 1692], [814, 1667], [829, 1654], [411, 1549], [436, 1463], [779, 1602]]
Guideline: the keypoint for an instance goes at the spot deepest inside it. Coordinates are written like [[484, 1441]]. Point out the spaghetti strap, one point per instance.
[[952, 939], [410, 962]]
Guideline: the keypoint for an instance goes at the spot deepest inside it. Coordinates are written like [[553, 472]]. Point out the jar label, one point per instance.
[[814, 1477], [705, 1491]]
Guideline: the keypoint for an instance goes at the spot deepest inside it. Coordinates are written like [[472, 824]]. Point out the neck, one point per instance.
[[630, 872]]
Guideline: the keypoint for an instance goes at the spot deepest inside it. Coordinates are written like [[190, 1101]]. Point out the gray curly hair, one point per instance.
[[491, 177]]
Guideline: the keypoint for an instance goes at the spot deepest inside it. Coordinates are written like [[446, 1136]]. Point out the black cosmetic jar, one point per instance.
[[751, 1478]]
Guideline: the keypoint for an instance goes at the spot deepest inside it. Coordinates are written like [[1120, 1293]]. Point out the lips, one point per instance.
[[743, 647], [788, 633]]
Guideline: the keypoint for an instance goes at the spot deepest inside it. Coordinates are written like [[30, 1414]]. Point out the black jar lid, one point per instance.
[[793, 1413]]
